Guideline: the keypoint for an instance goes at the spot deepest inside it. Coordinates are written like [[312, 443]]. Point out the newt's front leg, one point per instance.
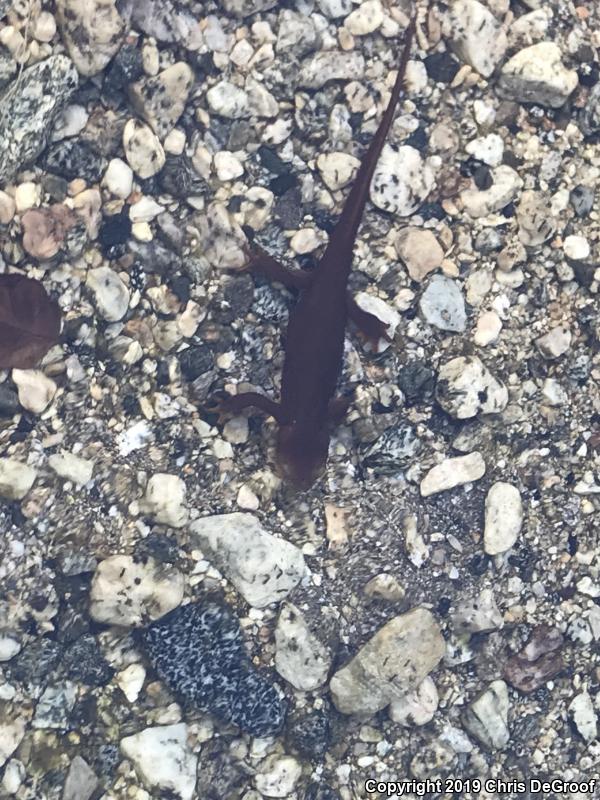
[[261, 263], [238, 402]]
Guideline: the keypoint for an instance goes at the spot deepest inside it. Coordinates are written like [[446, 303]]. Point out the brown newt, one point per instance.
[[315, 334]]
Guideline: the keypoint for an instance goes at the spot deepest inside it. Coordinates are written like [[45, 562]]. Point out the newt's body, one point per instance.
[[315, 334]]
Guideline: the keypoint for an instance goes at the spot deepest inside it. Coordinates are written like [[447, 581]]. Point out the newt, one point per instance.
[[314, 343]]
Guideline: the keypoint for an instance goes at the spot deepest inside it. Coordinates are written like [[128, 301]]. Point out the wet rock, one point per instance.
[[300, 657], [385, 587], [505, 187], [486, 717], [165, 500], [81, 781], [262, 567], [441, 67], [417, 707], [477, 36], [118, 178], [581, 709], [466, 387], [402, 180], [534, 216], [478, 614], [165, 21], [71, 467], [503, 518], [36, 390], [11, 735], [555, 343], [83, 662], [111, 296], [536, 74], [28, 111], [245, 8], [163, 759], [278, 776], [309, 734], [334, 9], [538, 662], [73, 158], [393, 662], [143, 150], [417, 381], [453, 472], [337, 169], [433, 761], [589, 116], [420, 251], [179, 178], [161, 100], [365, 19], [92, 31], [36, 661], [129, 593], [55, 706], [45, 230], [228, 100], [16, 478], [442, 304], [393, 451], [198, 651], [330, 65]]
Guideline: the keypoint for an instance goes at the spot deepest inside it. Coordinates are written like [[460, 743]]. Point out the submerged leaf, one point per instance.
[[29, 322]]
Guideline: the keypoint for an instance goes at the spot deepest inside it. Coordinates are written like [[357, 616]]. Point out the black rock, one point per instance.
[[321, 791], [416, 381], [36, 661], [73, 158], [115, 230], [483, 177], [238, 293], [418, 139], [126, 67], [195, 361], [282, 183], [198, 651], [179, 178], [488, 241], [441, 67], [160, 546], [155, 257], [393, 451], [431, 211], [582, 200], [589, 73], [9, 401], [271, 161], [288, 207], [83, 662], [309, 734]]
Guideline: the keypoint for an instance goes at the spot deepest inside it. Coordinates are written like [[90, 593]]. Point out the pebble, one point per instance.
[[555, 343], [130, 681], [7, 208], [228, 100], [27, 114], [81, 781], [433, 760], [36, 390], [465, 388], [55, 705], [538, 662], [488, 328], [478, 614], [334, 9], [506, 184], [227, 166], [442, 304], [262, 567], [367, 18], [402, 180], [582, 199], [417, 707], [146, 209], [420, 251], [111, 296], [166, 21], [300, 657], [584, 716], [553, 393], [576, 248], [118, 178], [163, 758], [392, 663], [128, 592], [161, 100], [143, 150], [9, 646], [385, 587], [47, 230], [321, 68], [337, 169], [245, 8], [16, 479], [393, 451], [69, 122], [27, 195], [384, 312], [536, 74], [14, 775], [71, 467], [478, 38], [453, 472], [164, 500], [92, 32], [278, 776], [489, 149], [536, 223], [199, 652], [503, 518], [486, 717]]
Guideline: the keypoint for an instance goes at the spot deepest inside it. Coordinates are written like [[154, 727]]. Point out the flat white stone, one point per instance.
[[453, 472], [584, 716], [36, 390], [165, 500], [503, 518], [416, 708], [300, 657], [486, 717], [536, 74], [71, 467], [16, 478], [163, 759], [477, 36]]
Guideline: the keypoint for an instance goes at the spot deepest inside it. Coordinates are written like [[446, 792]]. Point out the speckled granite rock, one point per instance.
[[199, 652], [164, 759], [92, 30], [161, 100], [28, 111]]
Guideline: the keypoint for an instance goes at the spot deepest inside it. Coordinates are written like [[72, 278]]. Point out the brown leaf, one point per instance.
[[29, 322]]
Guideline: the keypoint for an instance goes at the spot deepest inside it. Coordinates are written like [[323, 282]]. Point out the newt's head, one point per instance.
[[301, 454]]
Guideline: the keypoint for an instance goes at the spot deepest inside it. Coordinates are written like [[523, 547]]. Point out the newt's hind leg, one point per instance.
[[337, 408], [369, 325], [234, 404], [261, 263]]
